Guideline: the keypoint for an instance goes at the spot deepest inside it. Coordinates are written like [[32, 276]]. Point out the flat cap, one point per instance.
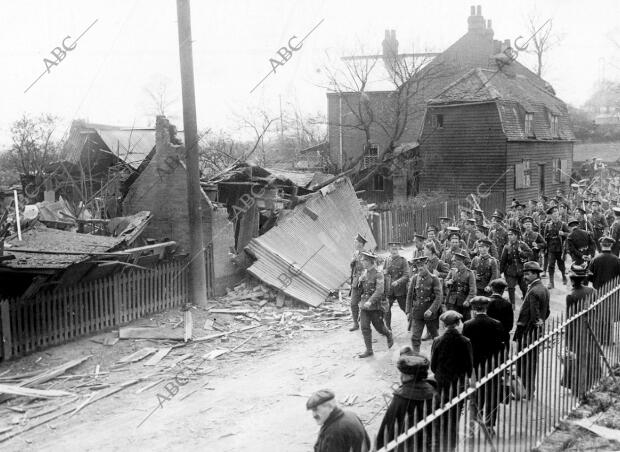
[[450, 317], [431, 228], [578, 271], [607, 240], [394, 244], [527, 220], [319, 397], [551, 209], [444, 218], [480, 302], [461, 256], [419, 260], [498, 284], [471, 220], [572, 221], [515, 231], [369, 255], [595, 201], [580, 209], [412, 364], [482, 228]]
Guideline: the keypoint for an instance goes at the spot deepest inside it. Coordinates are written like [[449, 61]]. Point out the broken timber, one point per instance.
[[31, 392], [150, 333]]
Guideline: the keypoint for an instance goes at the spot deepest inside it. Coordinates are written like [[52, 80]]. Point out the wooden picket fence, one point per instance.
[[55, 317], [401, 222]]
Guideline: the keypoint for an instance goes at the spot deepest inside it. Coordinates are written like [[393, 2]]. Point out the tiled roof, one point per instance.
[[515, 95]]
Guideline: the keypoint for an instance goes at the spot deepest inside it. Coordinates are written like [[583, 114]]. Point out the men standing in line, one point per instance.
[[530, 324], [356, 271], [452, 364], [424, 297], [488, 340], [396, 270], [500, 308], [340, 430], [514, 254], [599, 222], [461, 286], [554, 232], [579, 244], [372, 303], [485, 267]]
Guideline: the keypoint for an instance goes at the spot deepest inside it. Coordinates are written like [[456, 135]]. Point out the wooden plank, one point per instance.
[[215, 336], [138, 355], [109, 392], [157, 357], [5, 328], [30, 392], [150, 333]]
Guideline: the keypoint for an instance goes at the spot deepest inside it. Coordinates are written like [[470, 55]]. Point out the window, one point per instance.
[[437, 121], [371, 155], [557, 171], [529, 124], [377, 182], [523, 175], [555, 129]]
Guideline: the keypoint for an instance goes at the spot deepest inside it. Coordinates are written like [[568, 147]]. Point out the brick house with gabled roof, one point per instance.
[[497, 130], [475, 49]]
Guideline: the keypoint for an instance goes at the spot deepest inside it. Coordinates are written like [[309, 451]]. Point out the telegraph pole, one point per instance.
[[197, 267]]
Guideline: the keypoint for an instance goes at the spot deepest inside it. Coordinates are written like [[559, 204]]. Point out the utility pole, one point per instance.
[[197, 267]]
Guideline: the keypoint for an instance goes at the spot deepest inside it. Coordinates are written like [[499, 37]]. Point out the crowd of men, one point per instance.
[[457, 275]]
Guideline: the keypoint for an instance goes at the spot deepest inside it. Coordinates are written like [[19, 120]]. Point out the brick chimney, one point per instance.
[[475, 22], [390, 45]]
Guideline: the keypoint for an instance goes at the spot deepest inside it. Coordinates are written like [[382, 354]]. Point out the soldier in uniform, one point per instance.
[[614, 232], [424, 298], [478, 215], [554, 232], [396, 270], [372, 303], [599, 222], [442, 235], [435, 265], [485, 267], [497, 231], [579, 244], [431, 233], [563, 211], [515, 221], [469, 235], [356, 271], [482, 234], [455, 245], [514, 254], [465, 214], [461, 286], [580, 216], [530, 323], [418, 242], [533, 239]]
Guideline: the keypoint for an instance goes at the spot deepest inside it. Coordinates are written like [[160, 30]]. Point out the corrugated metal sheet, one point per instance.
[[131, 146], [307, 253]]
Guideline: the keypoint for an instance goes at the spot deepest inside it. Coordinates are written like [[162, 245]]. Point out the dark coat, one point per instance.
[[551, 234], [535, 307], [579, 244], [372, 286], [409, 397], [501, 309], [486, 269], [424, 293], [488, 338], [604, 268], [614, 232], [341, 432], [451, 358], [513, 258], [396, 271]]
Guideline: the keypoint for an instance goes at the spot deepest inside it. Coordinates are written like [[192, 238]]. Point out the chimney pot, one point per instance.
[[489, 24], [473, 11], [387, 34], [479, 10]]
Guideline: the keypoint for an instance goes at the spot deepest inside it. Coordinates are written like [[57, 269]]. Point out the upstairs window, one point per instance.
[[560, 171], [371, 155], [437, 121], [555, 127], [378, 182], [523, 175], [529, 124]]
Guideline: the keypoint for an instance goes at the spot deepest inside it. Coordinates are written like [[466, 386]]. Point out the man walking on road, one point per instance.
[[396, 270], [530, 324], [341, 431], [514, 254], [372, 303], [424, 297], [461, 286], [554, 232], [499, 307], [356, 271]]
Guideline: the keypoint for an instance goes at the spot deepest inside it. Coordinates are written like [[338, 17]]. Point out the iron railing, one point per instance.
[[520, 396]]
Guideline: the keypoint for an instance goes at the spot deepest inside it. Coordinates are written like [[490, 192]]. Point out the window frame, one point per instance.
[[437, 121], [528, 127]]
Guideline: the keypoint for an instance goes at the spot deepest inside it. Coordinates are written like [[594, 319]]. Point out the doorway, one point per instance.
[[541, 179]]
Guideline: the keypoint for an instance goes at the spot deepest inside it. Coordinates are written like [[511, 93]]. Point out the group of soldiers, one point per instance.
[[457, 275]]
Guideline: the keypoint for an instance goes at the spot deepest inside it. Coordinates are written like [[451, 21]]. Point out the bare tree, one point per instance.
[[543, 39], [385, 115], [34, 146], [161, 99]]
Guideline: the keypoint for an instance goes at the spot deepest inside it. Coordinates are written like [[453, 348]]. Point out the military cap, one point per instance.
[[592, 201], [479, 302], [580, 209], [431, 228], [564, 204], [450, 317], [419, 236], [607, 240], [515, 231], [412, 364], [394, 244], [453, 229], [482, 228], [444, 218], [454, 234], [574, 185], [498, 285], [532, 266], [471, 220], [514, 202], [369, 254], [419, 260], [319, 397], [572, 221], [551, 209], [527, 220], [360, 238], [459, 255], [578, 272], [486, 242], [498, 214]]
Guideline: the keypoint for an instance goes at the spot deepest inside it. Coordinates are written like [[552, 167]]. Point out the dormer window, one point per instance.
[[555, 127], [437, 121], [529, 124]]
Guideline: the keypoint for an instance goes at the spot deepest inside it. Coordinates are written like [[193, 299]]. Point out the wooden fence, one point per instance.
[[402, 222], [61, 315]]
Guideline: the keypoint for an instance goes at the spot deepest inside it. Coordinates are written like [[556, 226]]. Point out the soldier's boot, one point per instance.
[[550, 285], [416, 349], [511, 297], [355, 313], [388, 319], [390, 339], [368, 342]]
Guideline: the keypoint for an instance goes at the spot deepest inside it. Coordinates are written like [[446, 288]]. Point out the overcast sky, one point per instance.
[[134, 45]]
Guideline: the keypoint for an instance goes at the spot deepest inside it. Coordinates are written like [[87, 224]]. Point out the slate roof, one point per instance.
[[515, 94]]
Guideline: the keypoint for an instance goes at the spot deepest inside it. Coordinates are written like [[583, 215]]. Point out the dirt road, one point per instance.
[[253, 404]]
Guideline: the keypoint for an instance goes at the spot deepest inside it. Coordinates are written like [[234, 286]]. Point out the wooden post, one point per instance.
[[5, 328]]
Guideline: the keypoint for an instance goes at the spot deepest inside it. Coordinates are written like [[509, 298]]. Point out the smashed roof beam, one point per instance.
[[306, 255]]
